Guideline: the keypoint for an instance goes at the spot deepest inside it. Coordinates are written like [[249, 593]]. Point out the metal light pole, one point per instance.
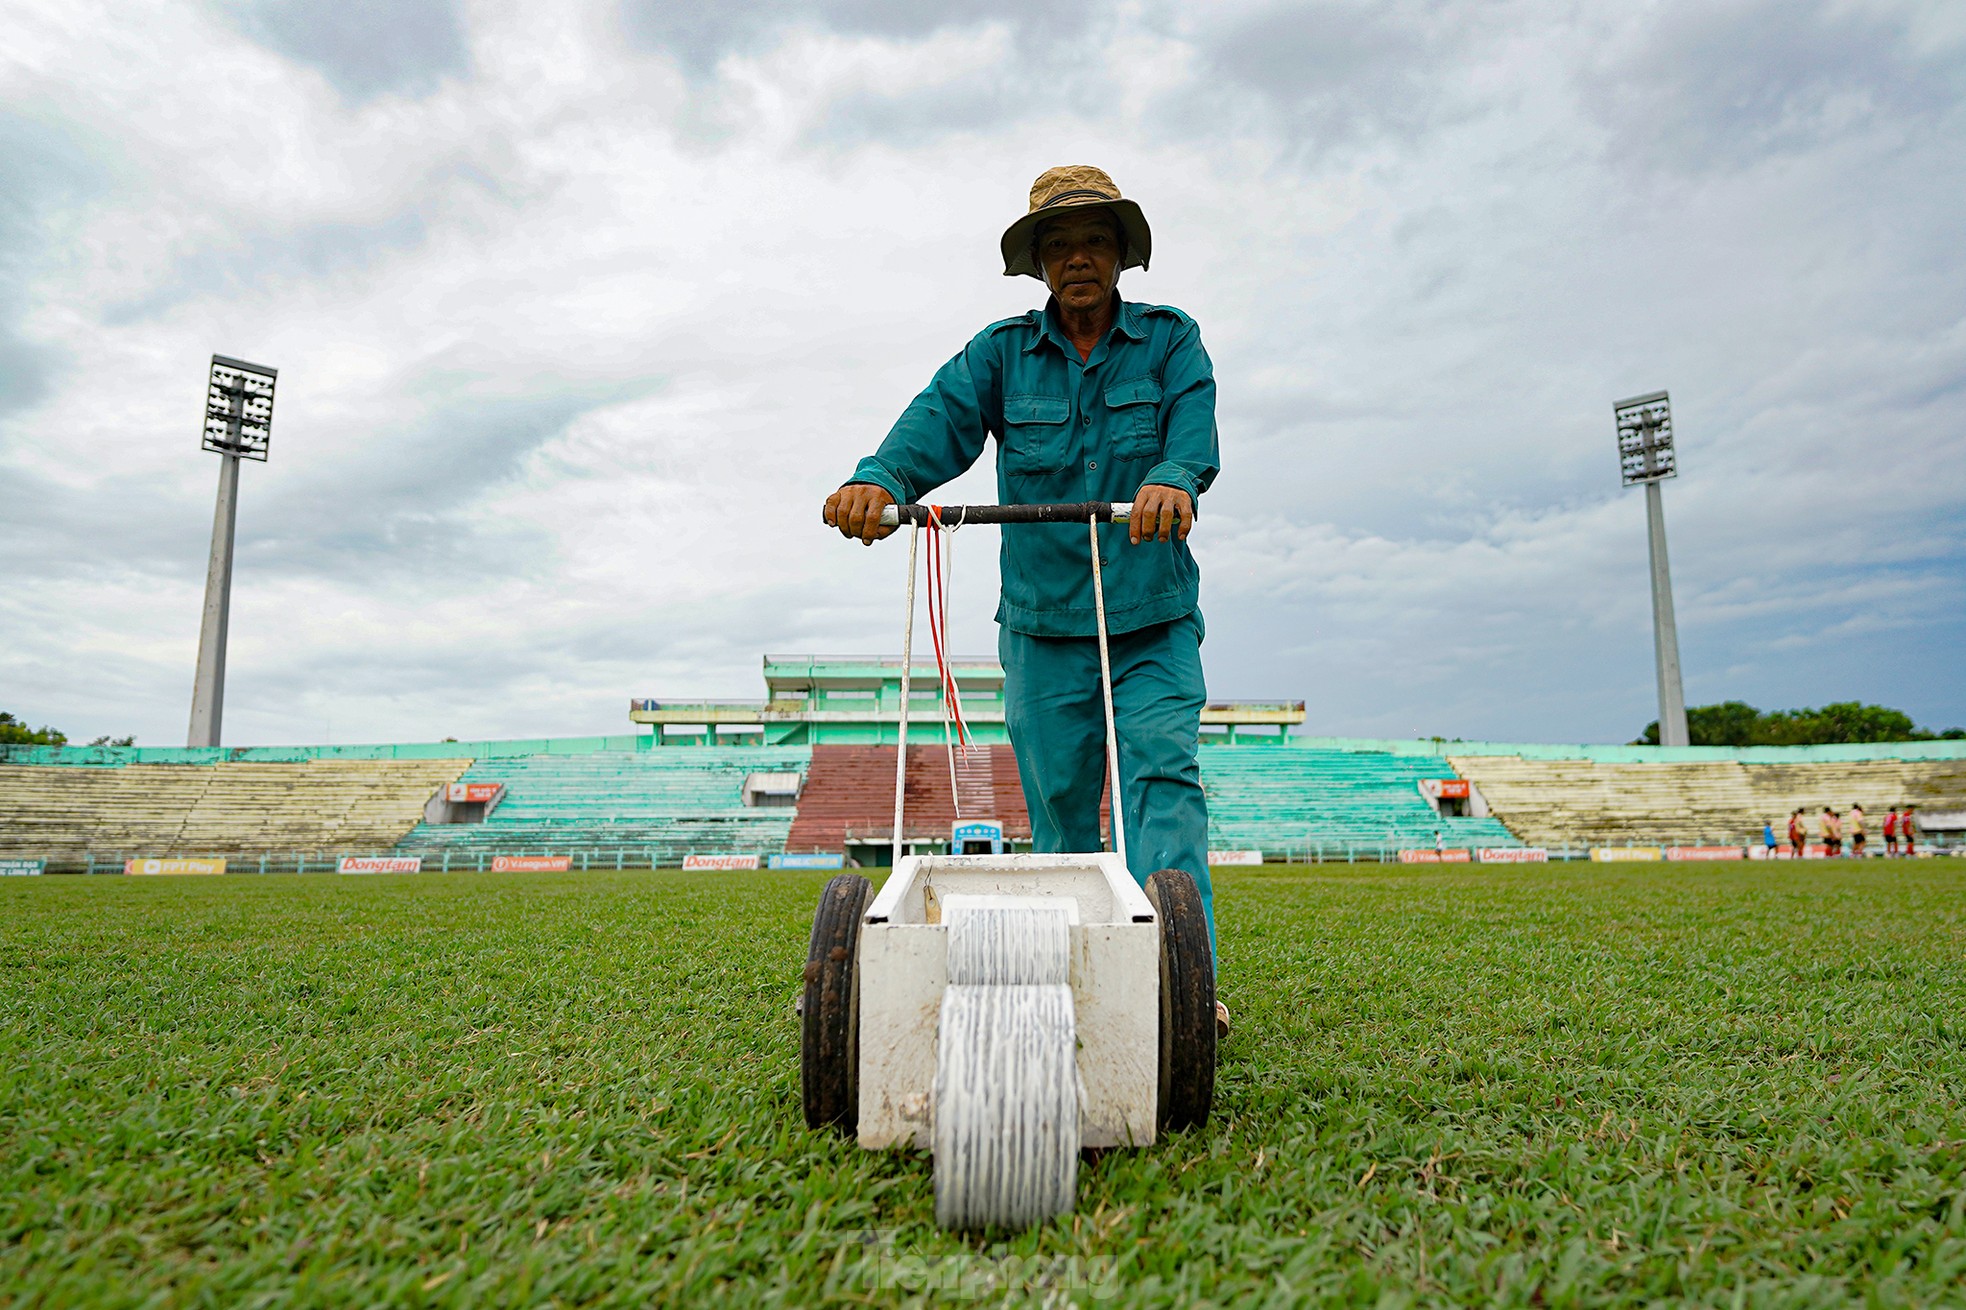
[[238, 425], [1645, 454]]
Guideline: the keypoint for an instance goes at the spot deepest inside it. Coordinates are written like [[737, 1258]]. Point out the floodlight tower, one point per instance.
[[238, 425], [1645, 455]]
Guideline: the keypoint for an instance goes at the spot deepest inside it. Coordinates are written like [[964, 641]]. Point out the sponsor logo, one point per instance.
[[22, 868], [1616, 854], [379, 864], [1436, 857], [720, 861], [167, 868], [1513, 855], [473, 791], [815, 860], [531, 863], [1235, 857], [1705, 853]]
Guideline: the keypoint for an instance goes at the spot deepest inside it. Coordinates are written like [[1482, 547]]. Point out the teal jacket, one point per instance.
[[1139, 410]]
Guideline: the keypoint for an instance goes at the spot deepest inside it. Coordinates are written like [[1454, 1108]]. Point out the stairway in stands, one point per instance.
[[849, 795]]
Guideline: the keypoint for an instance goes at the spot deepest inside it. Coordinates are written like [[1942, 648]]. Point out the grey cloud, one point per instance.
[[1333, 73], [48, 173], [1713, 86], [699, 35], [365, 48], [252, 260], [400, 508]]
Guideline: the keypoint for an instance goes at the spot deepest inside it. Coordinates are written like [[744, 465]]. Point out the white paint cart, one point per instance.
[[1007, 1011]]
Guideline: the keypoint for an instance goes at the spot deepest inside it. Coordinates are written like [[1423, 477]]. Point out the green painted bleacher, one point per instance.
[[664, 804], [1308, 799]]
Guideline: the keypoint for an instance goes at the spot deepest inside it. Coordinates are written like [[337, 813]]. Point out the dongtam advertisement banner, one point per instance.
[[169, 868], [1235, 857], [531, 863], [1514, 855], [379, 864], [720, 861]]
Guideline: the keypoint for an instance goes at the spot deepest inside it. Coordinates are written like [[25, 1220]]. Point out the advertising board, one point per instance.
[[472, 792], [1453, 789], [1616, 854], [1235, 857], [22, 868], [1513, 855], [171, 868], [720, 861], [1437, 857], [1706, 853], [379, 864], [810, 860], [531, 863]]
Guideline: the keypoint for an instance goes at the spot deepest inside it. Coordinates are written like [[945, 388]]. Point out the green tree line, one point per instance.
[[16, 732], [1737, 723]]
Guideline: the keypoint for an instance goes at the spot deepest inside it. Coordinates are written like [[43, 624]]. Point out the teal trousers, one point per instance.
[[1057, 724]]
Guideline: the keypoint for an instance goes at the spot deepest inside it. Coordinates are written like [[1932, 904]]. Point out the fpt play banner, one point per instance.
[[720, 861], [1514, 855], [22, 868], [1437, 857], [1616, 854], [1235, 857], [813, 860], [531, 863], [379, 864], [167, 868]]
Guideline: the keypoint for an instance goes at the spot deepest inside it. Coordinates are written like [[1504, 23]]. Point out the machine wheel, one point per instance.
[[829, 1043], [1187, 1002]]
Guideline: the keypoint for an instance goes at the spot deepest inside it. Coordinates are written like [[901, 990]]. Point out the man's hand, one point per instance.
[[855, 510], [1159, 511]]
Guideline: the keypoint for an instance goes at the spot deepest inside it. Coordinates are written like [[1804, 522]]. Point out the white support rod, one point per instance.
[[1106, 690], [907, 666]]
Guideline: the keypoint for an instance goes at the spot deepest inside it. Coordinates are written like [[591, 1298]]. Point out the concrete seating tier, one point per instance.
[[664, 803], [63, 814], [1283, 800], [1720, 802], [849, 795]]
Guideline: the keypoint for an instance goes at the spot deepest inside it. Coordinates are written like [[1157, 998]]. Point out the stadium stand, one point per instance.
[[849, 796], [1305, 800], [1723, 801], [662, 803], [64, 813]]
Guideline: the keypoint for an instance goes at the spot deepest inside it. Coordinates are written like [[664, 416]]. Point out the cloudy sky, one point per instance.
[[581, 308]]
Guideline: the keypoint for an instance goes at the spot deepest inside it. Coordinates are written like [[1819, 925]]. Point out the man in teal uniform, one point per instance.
[[1091, 398]]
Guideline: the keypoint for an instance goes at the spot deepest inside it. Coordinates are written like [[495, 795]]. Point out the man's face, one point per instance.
[[1080, 255]]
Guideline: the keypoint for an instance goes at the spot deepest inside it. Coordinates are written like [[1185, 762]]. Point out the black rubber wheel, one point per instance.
[[1187, 1002], [829, 1042]]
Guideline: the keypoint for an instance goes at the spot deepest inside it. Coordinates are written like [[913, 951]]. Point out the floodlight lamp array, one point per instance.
[[239, 408], [1645, 452]]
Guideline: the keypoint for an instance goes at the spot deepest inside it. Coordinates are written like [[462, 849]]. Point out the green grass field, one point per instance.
[[1559, 1085]]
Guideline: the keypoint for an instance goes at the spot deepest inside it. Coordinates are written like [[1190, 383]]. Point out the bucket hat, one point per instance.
[[1061, 190]]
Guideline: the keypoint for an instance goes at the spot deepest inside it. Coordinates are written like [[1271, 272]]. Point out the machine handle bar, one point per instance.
[[1096, 511]]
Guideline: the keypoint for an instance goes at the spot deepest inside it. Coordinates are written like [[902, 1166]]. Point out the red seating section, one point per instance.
[[849, 795]]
